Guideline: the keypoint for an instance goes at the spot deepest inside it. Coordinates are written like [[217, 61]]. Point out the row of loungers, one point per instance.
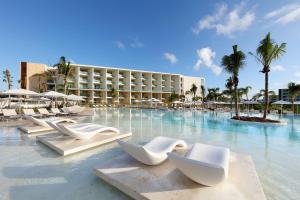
[[42, 112], [164, 168], [167, 168], [66, 136]]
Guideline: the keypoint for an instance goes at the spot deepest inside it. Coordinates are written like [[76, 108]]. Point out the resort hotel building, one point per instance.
[[101, 84]]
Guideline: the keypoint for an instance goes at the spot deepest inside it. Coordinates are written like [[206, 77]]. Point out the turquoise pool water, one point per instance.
[[29, 169]]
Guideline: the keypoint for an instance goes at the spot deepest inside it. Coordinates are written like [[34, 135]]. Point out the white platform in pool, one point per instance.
[[66, 145], [35, 129], [166, 182]]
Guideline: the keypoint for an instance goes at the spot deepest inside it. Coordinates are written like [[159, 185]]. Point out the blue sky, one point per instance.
[[188, 37]]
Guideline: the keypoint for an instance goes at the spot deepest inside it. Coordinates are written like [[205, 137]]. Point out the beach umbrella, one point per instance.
[[177, 102], [20, 92], [73, 97], [281, 103], [54, 94]]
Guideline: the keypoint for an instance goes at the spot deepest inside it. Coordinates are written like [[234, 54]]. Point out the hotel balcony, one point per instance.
[[121, 76], [71, 80], [97, 81], [83, 80], [133, 77], [109, 82], [84, 73], [97, 74], [109, 75], [121, 83]]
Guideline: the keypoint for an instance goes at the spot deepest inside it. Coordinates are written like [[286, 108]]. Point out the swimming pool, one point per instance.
[[30, 169]]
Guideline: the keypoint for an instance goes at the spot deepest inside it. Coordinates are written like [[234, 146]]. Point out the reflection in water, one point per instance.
[[275, 149]]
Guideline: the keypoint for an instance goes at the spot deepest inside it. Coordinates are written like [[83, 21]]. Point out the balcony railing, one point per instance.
[[83, 80], [121, 76], [84, 73], [97, 74], [109, 75]]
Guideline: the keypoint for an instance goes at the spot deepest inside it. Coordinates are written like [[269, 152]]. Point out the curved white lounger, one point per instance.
[[154, 152], [204, 164], [43, 122], [84, 131]]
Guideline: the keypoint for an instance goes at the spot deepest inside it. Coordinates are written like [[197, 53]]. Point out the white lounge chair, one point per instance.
[[155, 151], [84, 131], [204, 164], [44, 111], [58, 112], [10, 114], [30, 112], [54, 120]]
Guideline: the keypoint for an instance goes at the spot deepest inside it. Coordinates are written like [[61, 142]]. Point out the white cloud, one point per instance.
[[171, 57], [278, 68], [136, 43], [285, 14], [119, 44], [227, 22], [205, 57]]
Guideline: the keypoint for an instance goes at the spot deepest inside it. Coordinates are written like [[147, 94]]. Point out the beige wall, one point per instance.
[[187, 84], [32, 82]]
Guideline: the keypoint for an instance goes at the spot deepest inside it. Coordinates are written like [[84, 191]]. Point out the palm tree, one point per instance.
[[266, 52], [213, 93], [202, 92], [193, 91], [64, 69], [232, 64], [246, 91], [42, 86], [52, 75], [229, 91], [173, 97], [8, 79], [293, 90]]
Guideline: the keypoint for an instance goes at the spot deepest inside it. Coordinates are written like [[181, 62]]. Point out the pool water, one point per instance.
[[30, 170]]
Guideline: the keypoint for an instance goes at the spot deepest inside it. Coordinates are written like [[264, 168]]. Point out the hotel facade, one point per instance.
[[101, 84]]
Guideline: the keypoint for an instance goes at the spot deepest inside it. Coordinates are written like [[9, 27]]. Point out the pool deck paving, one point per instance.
[[166, 182]]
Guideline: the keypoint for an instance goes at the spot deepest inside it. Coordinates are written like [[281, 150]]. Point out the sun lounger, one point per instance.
[[42, 124], [10, 114], [204, 164], [44, 111], [58, 112], [84, 131], [80, 137], [154, 152], [30, 112]]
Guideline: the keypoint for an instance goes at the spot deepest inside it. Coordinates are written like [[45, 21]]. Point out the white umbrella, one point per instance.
[[73, 97], [281, 102], [177, 102], [53, 94], [20, 92]]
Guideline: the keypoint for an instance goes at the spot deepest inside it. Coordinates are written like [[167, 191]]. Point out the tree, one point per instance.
[[173, 97], [266, 52], [113, 94], [8, 79], [232, 64], [193, 91], [42, 85], [64, 69], [52, 75], [202, 93], [246, 91], [229, 90], [213, 94], [293, 90]]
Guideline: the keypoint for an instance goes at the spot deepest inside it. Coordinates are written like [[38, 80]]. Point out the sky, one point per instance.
[[186, 37]]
